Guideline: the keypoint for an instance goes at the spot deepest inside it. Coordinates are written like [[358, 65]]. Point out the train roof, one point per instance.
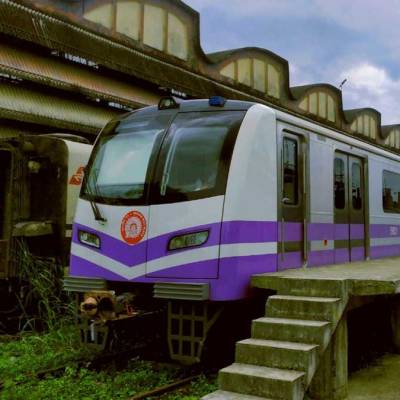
[[192, 106]]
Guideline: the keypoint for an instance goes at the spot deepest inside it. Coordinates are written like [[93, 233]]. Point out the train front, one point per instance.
[[149, 229]]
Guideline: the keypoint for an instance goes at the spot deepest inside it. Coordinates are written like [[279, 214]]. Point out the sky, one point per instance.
[[324, 41]]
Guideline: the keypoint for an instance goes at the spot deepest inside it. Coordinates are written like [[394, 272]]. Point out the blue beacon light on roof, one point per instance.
[[217, 101]]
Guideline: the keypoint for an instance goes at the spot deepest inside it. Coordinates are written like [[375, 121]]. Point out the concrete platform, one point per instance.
[[363, 278], [300, 346]]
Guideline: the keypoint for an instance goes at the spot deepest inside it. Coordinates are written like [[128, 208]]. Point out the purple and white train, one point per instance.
[[194, 198]]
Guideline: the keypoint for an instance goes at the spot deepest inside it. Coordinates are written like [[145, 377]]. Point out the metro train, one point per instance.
[[191, 199]]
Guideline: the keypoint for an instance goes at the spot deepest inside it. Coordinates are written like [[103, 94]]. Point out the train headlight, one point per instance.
[[188, 240], [88, 238]]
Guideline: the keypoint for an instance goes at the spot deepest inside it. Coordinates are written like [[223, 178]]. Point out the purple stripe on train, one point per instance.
[[249, 232], [290, 231], [233, 282], [357, 231], [385, 251], [323, 231], [341, 256], [235, 232], [290, 259], [357, 253], [234, 273], [154, 248], [383, 231]]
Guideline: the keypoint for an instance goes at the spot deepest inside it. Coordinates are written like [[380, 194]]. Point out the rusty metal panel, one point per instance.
[[22, 104], [3, 258], [7, 132], [53, 71]]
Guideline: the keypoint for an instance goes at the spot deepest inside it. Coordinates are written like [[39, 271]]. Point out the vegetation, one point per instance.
[[52, 308], [195, 391], [19, 360], [35, 352], [57, 344]]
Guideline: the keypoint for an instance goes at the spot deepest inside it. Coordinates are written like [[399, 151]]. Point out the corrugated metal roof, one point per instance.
[[55, 32], [52, 71], [24, 105]]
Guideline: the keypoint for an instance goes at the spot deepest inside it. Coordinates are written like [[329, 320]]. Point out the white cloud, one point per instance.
[[370, 26], [371, 86], [355, 14], [369, 17], [368, 78], [252, 8]]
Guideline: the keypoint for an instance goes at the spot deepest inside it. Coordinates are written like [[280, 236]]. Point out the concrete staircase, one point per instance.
[[281, 358]]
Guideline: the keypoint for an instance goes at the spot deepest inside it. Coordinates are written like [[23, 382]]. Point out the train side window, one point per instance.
[[356, 196], [290, 171], [339, 184], [391, 192]]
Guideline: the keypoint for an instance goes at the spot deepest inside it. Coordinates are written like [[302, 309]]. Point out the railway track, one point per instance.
[[4, 338], [119, 359], [168, 388], [39, 374], [184, 380], [95, 363]]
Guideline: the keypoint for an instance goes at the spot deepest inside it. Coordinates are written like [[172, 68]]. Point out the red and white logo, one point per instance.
[[76, 178], [133, 227]]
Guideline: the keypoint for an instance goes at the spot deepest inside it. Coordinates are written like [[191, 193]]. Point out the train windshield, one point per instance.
[[121, 159], [196, 154], [192, 158]]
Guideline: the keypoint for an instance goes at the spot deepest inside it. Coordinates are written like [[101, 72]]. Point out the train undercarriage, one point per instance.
[[184, 330]]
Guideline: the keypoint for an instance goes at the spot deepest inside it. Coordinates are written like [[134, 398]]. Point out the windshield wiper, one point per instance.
[[98, 216], [96, 211]]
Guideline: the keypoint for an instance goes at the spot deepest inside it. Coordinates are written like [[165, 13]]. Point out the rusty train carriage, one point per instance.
[[40, 178], [38, 171]]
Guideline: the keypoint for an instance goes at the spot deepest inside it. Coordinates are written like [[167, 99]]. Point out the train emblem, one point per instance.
[[133, 227]]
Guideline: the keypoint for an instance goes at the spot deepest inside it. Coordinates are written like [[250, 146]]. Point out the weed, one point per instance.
[[34, 353], [90, 385], [19, 360], [44, 276]]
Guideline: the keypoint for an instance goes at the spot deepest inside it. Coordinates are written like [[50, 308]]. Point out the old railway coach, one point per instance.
[[192, 199]]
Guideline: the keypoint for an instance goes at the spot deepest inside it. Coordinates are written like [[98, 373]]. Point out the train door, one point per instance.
[[349, 204], [292, 249]]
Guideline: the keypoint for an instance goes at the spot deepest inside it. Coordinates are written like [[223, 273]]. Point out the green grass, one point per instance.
[[20, 359], [199, 388], [90, 385], [51, 304], [35, 352]]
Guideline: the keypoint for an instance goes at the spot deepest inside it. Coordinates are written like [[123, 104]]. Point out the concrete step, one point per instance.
[[224, 395], [277, 354], [262, 381], [299, 286], [302, 307], [292, 330]]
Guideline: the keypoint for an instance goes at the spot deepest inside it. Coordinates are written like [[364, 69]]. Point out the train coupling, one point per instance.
[[110, 323], [100, 311], [104, 305]]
